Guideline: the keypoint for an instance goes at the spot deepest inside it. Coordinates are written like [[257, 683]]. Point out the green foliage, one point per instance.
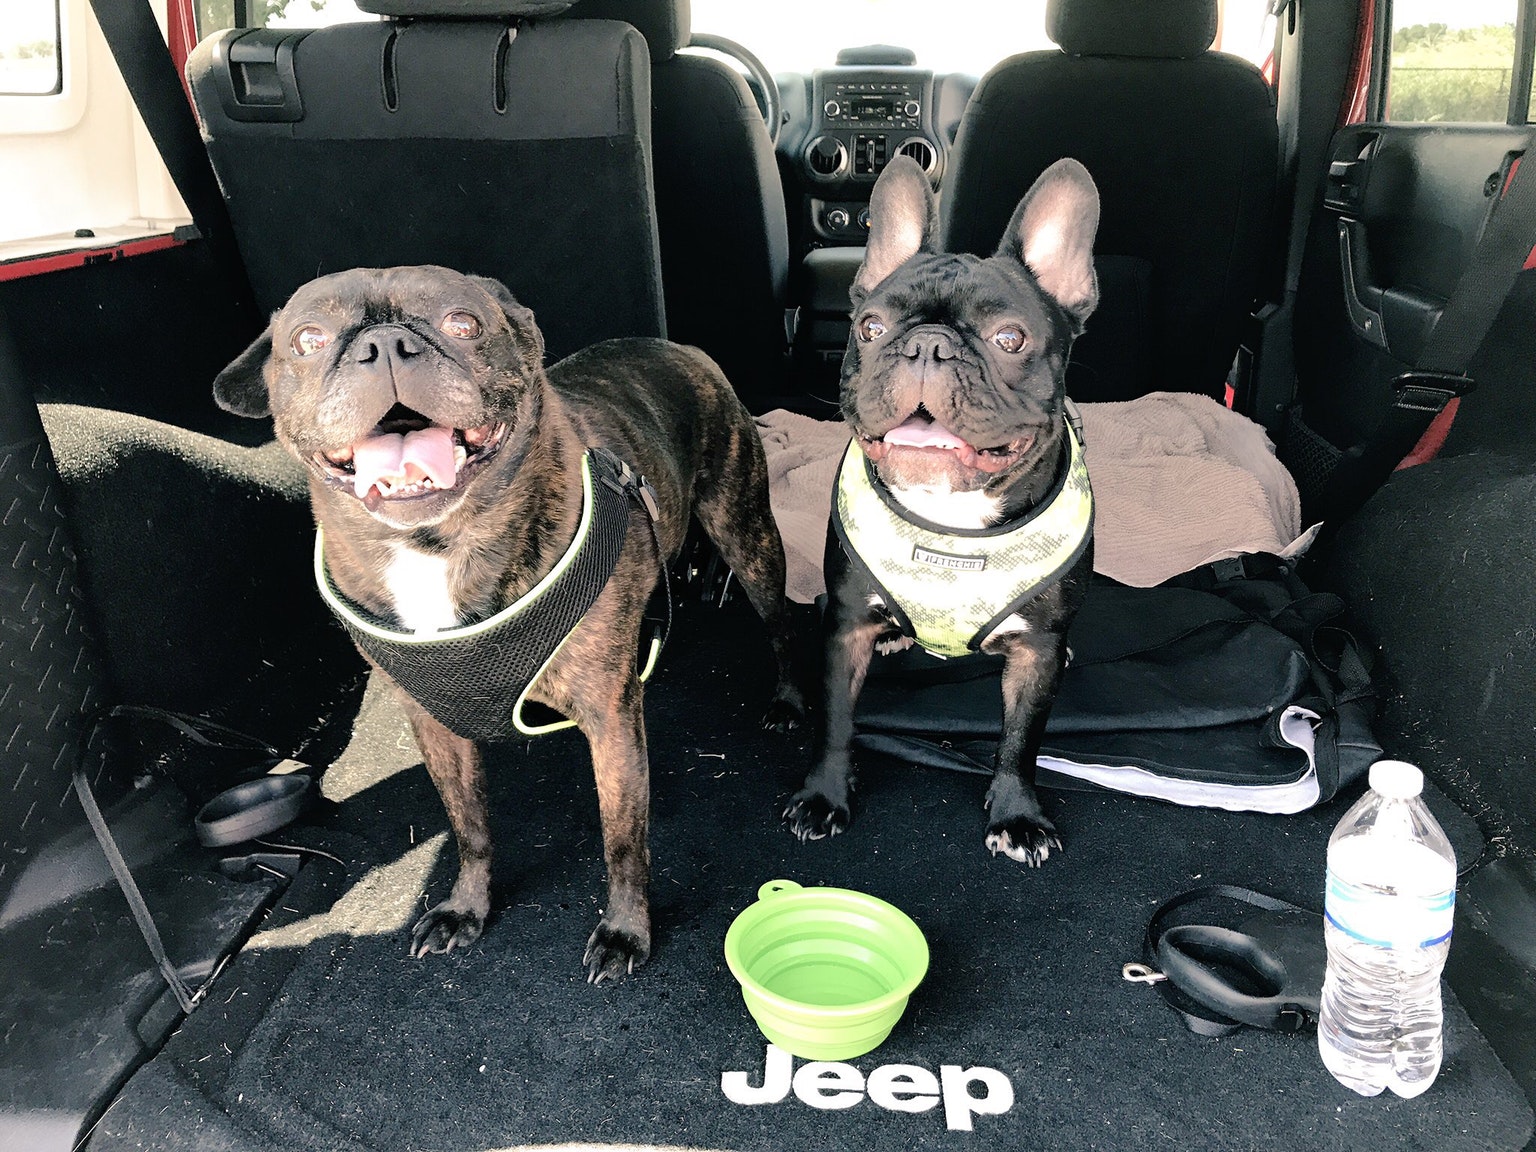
[[1478, 95], [1423, 45], [1449, 74], [215, 14], [32, 50]]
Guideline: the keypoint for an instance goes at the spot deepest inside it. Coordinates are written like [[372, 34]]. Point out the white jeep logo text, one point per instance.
[[895, 1087]]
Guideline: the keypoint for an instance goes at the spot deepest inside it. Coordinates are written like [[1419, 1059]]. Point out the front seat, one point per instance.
[[1182, 143], [476, 134], [720, 202]]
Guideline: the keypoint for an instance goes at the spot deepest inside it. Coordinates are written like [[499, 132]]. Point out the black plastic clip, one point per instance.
[[1429, 391]]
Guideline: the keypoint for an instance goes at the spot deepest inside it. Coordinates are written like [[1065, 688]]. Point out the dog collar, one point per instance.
[[475, 679], [948, 588]]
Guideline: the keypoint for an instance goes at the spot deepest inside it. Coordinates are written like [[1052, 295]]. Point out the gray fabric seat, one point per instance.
[[1182, 143], [719, 199], [425, 140]]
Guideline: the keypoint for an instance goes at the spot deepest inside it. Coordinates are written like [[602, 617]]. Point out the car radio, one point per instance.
[[873, 104]]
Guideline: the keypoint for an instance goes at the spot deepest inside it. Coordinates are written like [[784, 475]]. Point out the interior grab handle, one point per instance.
[[1358, 288]]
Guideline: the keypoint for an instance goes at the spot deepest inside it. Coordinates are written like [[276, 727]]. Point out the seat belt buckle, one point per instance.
[[1422, 391]]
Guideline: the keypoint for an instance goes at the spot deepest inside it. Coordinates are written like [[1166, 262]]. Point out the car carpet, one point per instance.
[[323, 1033]]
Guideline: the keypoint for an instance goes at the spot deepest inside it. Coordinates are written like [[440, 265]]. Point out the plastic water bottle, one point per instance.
[[1387, 921]]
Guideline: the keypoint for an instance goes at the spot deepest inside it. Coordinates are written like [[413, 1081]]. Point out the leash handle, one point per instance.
[[1184, 953]]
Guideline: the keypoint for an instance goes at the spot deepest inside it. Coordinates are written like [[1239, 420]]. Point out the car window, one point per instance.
[[29, 49], [212, 15], [1451, 60], [966, 36]]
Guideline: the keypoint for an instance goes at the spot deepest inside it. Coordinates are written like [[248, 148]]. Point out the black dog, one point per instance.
[[452, 479], [963, 517]]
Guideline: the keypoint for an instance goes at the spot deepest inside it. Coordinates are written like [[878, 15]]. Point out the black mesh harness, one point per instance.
[[475, 679]]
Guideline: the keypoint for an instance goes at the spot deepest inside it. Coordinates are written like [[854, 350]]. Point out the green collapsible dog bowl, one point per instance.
[[825, 972]]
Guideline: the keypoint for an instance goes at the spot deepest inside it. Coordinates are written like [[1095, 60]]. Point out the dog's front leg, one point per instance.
[[621, 942], [1017, 826], [455, 766], [823, 806]]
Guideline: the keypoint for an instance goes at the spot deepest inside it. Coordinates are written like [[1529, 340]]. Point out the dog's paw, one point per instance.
[[445, 928], [785, 713], [613, 953], [1023, 839], [811, 815]]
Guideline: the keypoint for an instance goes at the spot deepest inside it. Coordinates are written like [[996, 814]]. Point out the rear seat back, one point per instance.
[[501, 146], [1182, 143]]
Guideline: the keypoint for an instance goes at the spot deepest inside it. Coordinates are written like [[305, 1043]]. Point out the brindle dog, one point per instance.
[[444, 471]]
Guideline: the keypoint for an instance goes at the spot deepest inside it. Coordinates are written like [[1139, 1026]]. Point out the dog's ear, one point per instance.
[[903, 221], [519, 316], [242, 387], [1052, 233]]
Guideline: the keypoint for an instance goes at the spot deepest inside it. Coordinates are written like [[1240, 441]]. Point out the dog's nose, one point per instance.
[[929, 344], [386, 345]]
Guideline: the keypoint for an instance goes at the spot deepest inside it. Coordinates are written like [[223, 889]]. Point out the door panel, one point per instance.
[[1403, 207]]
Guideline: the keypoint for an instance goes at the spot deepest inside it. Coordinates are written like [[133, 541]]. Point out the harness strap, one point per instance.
[[949, 588], [474, 679]]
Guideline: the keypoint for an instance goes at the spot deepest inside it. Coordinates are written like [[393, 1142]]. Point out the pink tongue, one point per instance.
[[393, 461], [920, 433]]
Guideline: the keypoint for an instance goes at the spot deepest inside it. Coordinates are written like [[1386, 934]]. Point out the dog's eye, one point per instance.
[[310, 339], [1009, 339], [461, 325], [871, 328]]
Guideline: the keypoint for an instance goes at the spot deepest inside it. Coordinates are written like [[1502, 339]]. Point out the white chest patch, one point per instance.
[[1014, 623], [951, 509], [418, 585]]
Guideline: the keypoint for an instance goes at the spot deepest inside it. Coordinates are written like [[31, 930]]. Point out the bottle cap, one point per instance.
[[1396, 779]]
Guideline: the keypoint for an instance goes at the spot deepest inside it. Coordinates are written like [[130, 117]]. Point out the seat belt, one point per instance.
[[203, 732], [134, 36], [1440, 372]]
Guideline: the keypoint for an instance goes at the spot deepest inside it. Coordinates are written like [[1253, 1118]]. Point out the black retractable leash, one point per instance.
[[1267, 973]]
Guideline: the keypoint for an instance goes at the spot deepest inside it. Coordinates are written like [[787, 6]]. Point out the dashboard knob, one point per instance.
[[831, 108], [911, 108]]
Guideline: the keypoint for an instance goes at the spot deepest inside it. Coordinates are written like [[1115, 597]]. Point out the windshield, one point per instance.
[[956, 36]]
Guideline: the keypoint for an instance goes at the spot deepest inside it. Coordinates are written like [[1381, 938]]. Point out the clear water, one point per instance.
[[1380, 1025]]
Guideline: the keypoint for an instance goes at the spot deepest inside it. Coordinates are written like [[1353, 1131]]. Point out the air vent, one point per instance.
[[827, 157], [921, 151]]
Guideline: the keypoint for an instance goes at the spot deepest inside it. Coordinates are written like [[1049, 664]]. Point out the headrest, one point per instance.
[[1170, 29], [665, 24], [465, 9]]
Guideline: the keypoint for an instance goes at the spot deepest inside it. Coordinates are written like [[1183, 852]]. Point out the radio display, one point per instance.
[[872, 107]]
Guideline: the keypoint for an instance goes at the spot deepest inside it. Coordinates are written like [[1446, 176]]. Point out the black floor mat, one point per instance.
[[324, 1034]]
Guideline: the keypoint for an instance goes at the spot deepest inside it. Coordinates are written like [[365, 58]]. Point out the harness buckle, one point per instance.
[[647, 496]]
